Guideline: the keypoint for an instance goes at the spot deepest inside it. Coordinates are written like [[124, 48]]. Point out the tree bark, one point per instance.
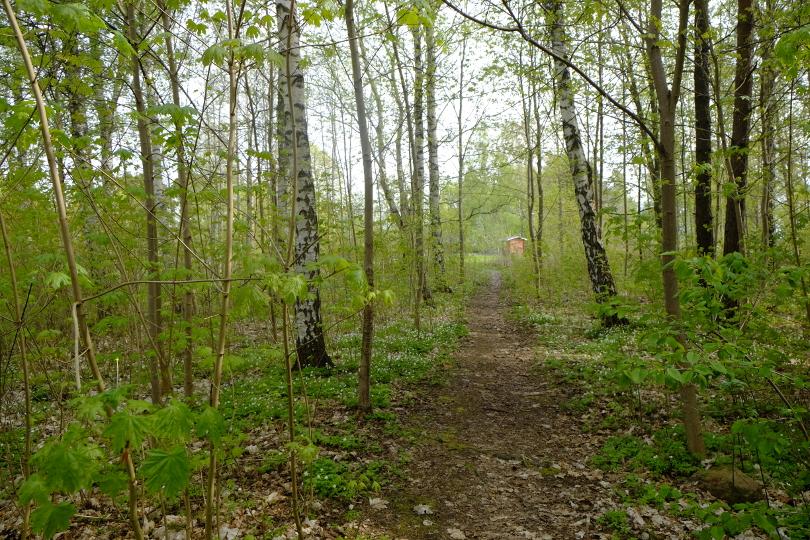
[[163, 385], [418, 179], [433, 162], [379, 129], [364, 394], [185, 214], [667, 105], [704, 227], [595, 255], [733, 238], [294, 153], [768, 110]]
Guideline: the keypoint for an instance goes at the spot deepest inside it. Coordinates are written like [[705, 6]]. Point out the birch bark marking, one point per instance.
[[581, 172], [294, 152], [418, 179], [433, 160]]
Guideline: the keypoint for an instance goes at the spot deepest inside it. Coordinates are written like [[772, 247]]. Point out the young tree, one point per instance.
[[368, 211]]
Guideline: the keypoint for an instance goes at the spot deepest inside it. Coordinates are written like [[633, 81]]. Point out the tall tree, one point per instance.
[[704, 227], [368, 211], [733, 238], [162, 383], [581, 171], [418, 178], [296, 163], [667, 96], [433, 160]]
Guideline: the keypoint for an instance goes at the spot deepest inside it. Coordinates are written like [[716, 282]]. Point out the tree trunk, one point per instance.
[[741, 124], [530, 199], [163, 385], [704, 228], [768, 109], [418, 178], [460, 119], [667, 105], [598, 267], [433, 162], [380, 140], [294, 151], [364, 401], [185, 214]]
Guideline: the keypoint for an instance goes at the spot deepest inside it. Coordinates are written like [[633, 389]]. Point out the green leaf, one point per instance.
[[215, 54], [211, 425], [67, 465], [112, 482], [408, 17], [57, 280], [34, 489], [122, 44], [675, 375], [76, 17], [127, 430], [166, 470], [49, 519], [36, 7], [173, 422]]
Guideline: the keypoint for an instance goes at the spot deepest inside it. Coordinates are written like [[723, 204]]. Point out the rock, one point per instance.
[[252, 449], [730, 484], [422, 509], [635, 518], [456, 534], [229, 533]]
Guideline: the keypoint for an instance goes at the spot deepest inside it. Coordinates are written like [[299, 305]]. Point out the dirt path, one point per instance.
[[498, 457]]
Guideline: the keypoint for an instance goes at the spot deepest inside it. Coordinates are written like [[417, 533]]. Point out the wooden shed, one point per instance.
[[515, 245]]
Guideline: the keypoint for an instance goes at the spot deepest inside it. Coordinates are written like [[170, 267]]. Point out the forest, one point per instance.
[[352, 269]]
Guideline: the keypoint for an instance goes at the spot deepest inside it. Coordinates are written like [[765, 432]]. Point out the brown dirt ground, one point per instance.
[[499, 456]]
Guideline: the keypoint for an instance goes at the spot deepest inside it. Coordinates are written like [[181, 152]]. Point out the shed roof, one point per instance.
[[515, 238]]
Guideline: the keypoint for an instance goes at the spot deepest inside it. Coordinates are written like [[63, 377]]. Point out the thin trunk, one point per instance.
[[418, 178], [530, 148], [364, 393], [160, 380], [67, 243], [460, 119], [797, 260], [433, 161], [768, 110], [216, 379], [20, 337], [380, 140], [540, 201], [183, 182]]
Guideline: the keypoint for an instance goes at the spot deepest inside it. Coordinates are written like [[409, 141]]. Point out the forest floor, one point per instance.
[[500, 456]]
